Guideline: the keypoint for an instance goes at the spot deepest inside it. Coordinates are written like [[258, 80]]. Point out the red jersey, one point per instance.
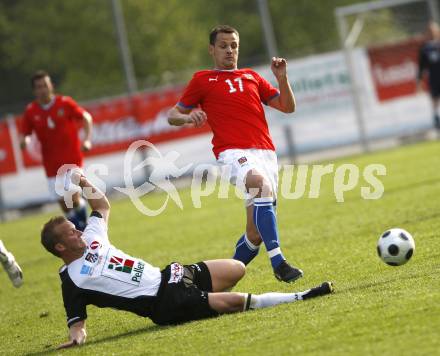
[[56, 128], [232, 101]]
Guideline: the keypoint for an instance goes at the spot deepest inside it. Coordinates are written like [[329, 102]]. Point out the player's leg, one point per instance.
[[235, 302], [235, 164], [435, 108], [265, 221], [225, 274], [11, 266], [248, 245]]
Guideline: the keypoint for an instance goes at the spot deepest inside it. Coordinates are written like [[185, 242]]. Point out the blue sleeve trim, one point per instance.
[[270, 98], [185, 106]]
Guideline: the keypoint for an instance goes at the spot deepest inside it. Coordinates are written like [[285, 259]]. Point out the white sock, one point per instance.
[[254, 301], [5, 256]]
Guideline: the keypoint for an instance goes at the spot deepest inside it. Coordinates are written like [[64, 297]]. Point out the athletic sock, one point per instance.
[[245, 251], [266, 223], [254, 301], [4, 254]]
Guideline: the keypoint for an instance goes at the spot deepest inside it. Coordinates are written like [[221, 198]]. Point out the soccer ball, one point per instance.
[[395, 247]]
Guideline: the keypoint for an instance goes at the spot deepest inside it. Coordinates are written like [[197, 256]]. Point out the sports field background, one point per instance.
[[376, 309]]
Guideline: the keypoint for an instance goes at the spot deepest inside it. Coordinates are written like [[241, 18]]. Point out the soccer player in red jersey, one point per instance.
[[230, 100], [56, 119]]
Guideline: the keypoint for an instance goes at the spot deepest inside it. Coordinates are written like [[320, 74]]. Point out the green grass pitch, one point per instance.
[[376, 309]]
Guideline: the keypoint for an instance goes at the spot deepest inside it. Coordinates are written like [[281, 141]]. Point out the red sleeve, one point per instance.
[[25, 124], [76, 111], [267, 91], [192, 94]]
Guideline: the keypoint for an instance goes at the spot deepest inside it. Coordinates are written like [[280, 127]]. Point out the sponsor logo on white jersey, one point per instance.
[[176, 274], [94, 245], [124, 270]]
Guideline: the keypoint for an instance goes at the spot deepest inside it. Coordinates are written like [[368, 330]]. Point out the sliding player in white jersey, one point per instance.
[[97, 273]]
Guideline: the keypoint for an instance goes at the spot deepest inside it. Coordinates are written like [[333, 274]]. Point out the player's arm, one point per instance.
[[25, 131], [179, 116], [88, 125], [77, 335], [97, 199], [285, 102]]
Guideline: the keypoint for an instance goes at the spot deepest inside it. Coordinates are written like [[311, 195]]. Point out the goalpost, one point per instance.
[[398, 23]]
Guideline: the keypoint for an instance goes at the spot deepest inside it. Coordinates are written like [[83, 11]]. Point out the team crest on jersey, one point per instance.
[[60, 112], [248, 76], [242, 160], [91, 257]]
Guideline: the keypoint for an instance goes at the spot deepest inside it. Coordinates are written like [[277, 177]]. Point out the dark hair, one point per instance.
[[220, 29], [39, 74], [49, 238]]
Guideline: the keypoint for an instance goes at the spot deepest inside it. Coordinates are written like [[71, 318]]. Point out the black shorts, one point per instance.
[[183, 294]]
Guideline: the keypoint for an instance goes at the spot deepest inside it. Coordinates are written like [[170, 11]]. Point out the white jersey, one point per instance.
[[107, 277]]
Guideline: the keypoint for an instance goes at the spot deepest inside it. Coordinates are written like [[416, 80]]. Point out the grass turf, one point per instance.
[[376, 309]]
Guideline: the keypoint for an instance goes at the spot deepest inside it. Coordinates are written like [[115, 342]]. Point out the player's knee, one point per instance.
[[258, 186], [236, 271], [239, 269], [254, 180]]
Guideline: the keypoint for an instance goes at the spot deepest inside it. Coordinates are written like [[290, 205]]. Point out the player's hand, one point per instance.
[[68, 344], [197, 118], [86, 145], [279, 67]]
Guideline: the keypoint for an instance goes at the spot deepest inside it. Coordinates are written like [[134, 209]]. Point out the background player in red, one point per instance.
[[230, 100], [55, 119]]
